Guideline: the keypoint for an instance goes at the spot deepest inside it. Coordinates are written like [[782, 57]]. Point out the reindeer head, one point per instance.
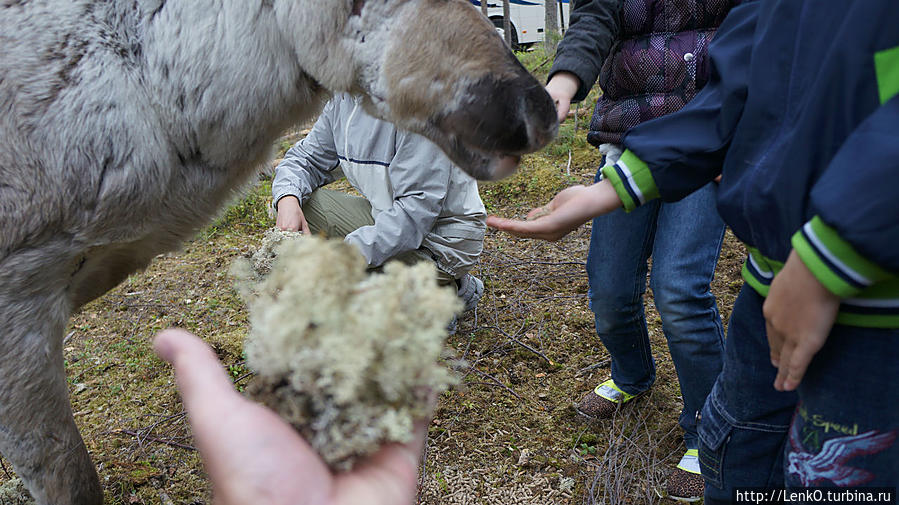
[[438, 68]]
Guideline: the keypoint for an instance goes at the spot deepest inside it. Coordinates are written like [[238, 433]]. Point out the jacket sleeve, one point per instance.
[[419, 176], [850, 243], [674, 155], [309, 164], [591, 33]]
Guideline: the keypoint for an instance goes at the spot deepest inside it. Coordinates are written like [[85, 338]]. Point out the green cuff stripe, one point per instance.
[[842, 252], [868, 320], [833, 282], [611, 174], [886, 66], [642, 176], [876, 306], [883, 290], [759, 287]]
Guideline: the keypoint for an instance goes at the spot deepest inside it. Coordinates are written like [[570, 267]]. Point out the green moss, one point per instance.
[[248, 213]]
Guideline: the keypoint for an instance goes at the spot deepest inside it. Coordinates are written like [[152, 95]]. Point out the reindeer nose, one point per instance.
[[511, 116], [524, 112], [540, 117]]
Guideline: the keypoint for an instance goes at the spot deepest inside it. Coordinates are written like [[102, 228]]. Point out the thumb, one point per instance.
[[503, 224], [562, 108], [205, 388]]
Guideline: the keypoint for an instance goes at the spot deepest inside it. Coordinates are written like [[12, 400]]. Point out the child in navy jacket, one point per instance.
[[802, 113]]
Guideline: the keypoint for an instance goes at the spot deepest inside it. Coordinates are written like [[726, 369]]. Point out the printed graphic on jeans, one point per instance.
[[816, 427], [833, 462]]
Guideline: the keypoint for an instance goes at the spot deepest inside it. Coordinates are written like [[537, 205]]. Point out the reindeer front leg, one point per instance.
[[37, 429]]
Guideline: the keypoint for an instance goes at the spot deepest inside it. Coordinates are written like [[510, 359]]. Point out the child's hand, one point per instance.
[[569, 209], [799, 313], [562, 88]]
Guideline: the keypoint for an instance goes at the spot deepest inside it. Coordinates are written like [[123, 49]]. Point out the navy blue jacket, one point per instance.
[[801, 119]]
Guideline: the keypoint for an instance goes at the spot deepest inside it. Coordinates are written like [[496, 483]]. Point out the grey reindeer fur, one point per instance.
[[126, 124]]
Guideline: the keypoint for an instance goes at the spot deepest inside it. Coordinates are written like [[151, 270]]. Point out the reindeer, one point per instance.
[[126, 124]]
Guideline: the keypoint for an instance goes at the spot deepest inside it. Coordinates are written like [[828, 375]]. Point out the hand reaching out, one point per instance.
[[799, 313], [569, 209], [252, 456]]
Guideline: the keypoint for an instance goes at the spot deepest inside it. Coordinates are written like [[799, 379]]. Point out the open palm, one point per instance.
[[252, 456]]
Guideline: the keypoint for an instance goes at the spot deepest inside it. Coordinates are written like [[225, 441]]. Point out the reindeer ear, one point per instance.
[[357, 7]]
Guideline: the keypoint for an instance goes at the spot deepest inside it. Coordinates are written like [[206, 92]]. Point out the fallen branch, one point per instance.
[[154, 439], [498, 382], [10, 477], [602, 364], [551, 263], [513, 338]]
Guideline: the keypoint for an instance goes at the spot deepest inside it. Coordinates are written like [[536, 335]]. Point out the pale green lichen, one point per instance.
[[13, 492], [264, 257], [350, 359]]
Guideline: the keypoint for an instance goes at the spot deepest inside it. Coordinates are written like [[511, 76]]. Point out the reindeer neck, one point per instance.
[[223, 73]]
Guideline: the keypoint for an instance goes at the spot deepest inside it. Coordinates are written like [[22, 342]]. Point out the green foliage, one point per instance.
[[441, 481], [283, 147], [238, 371], [586, 444], [586, 450], [537, 61], [569, 140], [538, 180], [249, 213]]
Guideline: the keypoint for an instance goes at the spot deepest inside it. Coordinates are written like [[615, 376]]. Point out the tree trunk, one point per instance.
[[507, 23], [484, 8], [563, 24], [551, 26]]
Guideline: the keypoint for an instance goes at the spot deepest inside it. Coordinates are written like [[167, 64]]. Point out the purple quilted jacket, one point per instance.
[[658, 64]]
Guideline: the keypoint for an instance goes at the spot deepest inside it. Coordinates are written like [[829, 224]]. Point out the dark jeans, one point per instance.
[[838, 429], [684, 240]]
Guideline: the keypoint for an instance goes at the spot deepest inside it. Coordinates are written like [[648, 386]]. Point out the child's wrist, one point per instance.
[[605, 197]]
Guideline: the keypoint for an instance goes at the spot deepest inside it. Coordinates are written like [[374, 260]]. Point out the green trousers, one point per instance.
[[337, 214]]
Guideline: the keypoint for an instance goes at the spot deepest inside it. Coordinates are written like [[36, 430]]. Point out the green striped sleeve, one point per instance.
[[632, 180], [886, 65], [833, 261]]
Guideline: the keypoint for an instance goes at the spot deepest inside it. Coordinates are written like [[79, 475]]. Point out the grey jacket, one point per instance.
[[418, 197]]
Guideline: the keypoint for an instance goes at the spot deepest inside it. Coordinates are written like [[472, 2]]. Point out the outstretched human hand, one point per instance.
[[252, 456], [799, 313], [569, 209]]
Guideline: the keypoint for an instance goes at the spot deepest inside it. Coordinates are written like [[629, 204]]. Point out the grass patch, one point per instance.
[[248, 214]]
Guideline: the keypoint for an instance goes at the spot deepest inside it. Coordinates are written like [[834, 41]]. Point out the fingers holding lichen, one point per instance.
[[350, 359]]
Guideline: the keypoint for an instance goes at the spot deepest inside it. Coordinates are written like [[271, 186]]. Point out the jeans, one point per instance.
[[838, 429], [684, 239]]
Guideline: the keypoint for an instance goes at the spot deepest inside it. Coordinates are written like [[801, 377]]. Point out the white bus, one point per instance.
[[527, 18]]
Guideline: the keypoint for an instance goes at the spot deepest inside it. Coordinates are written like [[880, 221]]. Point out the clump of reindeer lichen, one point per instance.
[[350, 359], [13, 492], [262, 260]]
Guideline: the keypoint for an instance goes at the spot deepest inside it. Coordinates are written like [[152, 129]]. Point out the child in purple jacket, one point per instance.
[[651, 59]]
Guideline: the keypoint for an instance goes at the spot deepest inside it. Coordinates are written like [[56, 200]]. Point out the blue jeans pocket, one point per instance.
[[714, 432]]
